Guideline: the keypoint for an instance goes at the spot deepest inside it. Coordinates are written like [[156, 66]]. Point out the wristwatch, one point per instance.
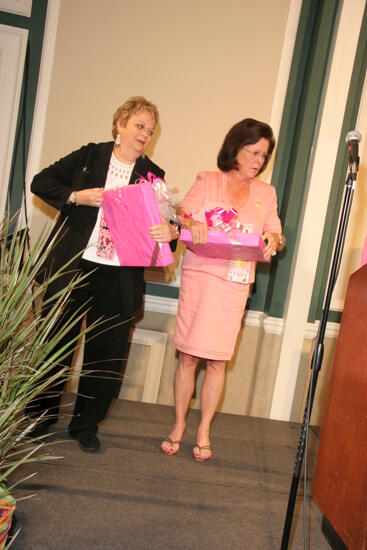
[[72, 198], [280, 242]]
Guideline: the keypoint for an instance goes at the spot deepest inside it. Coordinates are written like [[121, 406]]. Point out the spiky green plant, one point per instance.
[[28, 338]]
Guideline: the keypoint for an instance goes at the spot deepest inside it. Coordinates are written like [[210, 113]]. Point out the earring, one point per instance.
[[117, 141]]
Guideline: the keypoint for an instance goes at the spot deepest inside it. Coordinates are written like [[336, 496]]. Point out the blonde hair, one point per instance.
[[133, 105]]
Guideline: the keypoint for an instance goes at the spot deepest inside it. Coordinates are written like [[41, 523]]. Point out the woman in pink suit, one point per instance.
[[214, 292]]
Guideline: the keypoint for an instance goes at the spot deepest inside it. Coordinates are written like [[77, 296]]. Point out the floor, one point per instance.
[[131, 496]]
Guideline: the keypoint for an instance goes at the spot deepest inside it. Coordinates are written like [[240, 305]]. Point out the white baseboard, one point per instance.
[[332, 330], [168, 306], [160, 305]]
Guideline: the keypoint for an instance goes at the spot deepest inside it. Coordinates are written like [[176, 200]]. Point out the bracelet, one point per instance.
[[72, 198]]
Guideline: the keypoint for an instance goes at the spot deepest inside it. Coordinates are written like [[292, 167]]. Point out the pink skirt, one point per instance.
[[210, 311]]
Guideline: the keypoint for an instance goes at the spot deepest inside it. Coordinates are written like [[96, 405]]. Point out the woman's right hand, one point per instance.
[[199, 232], [90, 197]]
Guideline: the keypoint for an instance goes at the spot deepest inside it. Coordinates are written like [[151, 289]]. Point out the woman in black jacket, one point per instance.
[[74, 185]]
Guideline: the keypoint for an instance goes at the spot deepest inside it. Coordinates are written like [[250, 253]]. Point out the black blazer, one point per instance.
[[83, 169]]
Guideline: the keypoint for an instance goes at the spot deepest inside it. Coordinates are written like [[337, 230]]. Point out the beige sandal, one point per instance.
[[198, 455], [171, 442]]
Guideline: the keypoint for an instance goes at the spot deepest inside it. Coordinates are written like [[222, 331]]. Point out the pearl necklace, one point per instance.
[[119, 169]]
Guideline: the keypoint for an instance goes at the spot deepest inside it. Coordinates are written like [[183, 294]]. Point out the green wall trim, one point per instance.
[[35, 25], [334, 316], [14, 20], [299, 123], [339, 176], [163, 291]]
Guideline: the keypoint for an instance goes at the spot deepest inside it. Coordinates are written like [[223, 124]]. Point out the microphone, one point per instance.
[[352, 139]]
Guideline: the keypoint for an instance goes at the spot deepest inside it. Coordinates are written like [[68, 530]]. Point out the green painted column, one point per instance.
[[339, 177], [307, 79], [35, 26]]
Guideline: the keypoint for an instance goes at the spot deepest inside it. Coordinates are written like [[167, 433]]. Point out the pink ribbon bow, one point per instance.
[[220, 217], [162, 195], [225, 220], [158, 184]]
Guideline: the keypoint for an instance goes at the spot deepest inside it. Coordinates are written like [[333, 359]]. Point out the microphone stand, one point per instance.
[[319, 346]]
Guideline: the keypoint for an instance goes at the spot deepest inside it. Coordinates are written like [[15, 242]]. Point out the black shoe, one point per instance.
[[88, 441], [40, 429]]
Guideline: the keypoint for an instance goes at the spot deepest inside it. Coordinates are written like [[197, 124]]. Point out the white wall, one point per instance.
[[205, 64]]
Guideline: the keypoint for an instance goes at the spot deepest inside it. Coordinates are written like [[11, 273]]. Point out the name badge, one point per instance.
[[239, 271]]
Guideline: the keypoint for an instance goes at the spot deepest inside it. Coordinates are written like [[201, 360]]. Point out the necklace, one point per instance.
[[120, 170]]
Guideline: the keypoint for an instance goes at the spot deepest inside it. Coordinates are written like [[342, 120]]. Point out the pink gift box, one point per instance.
[[130, 211], [233, 245]]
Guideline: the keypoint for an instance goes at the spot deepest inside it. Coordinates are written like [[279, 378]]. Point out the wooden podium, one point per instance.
[[340, 481]]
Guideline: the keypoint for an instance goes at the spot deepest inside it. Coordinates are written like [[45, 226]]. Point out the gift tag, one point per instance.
[[239, 271]]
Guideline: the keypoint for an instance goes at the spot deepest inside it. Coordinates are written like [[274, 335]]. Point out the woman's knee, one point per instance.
[[216, 366], [188, 361]]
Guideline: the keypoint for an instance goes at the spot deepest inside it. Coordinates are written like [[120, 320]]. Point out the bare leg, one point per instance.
[[211, 392], [184, 388]]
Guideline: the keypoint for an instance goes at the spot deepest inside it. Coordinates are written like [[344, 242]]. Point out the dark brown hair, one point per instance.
[[246, 132]]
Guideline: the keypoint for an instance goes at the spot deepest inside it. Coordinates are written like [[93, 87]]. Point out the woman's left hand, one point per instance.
[[163, 233], [271, 240]]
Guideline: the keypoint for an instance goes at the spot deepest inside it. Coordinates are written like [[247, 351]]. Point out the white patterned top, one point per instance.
[[118, 175]]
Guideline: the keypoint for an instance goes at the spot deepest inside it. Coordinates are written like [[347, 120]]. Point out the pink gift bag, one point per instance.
[[232, 245], [130, 211]]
